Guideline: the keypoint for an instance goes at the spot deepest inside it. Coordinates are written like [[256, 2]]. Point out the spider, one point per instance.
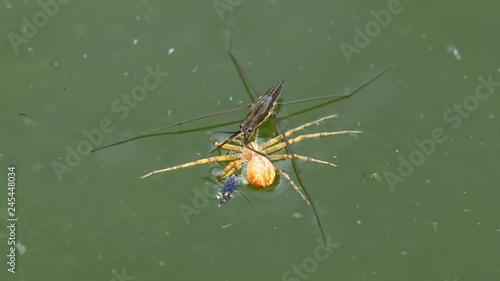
[[260, 171]]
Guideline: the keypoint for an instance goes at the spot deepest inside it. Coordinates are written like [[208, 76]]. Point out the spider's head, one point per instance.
[[249, 150]]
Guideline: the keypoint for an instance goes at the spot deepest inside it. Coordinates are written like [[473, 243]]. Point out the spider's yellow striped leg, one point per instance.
[[283, 173], [300, 138], [229, 146], [220, 158], [279, 157], [292, 131], [231, 168]]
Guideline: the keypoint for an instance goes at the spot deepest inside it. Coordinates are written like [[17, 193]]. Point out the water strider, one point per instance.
[[259, 112]]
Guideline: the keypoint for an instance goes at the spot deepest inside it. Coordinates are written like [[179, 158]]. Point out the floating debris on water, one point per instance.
[[452, 49], [435, 225], [376, 176]]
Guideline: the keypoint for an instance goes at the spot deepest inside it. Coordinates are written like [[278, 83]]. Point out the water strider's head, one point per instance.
[[246, 128]]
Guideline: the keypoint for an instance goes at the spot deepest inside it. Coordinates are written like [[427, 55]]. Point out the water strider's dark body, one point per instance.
[[262, 108], [259, 113]]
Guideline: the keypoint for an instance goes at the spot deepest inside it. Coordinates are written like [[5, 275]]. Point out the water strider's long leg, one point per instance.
[[243, 75], [299, 173], [341, 96], [142, 135]]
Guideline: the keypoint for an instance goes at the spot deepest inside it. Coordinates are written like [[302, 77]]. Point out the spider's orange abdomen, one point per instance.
[[260, 172]]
